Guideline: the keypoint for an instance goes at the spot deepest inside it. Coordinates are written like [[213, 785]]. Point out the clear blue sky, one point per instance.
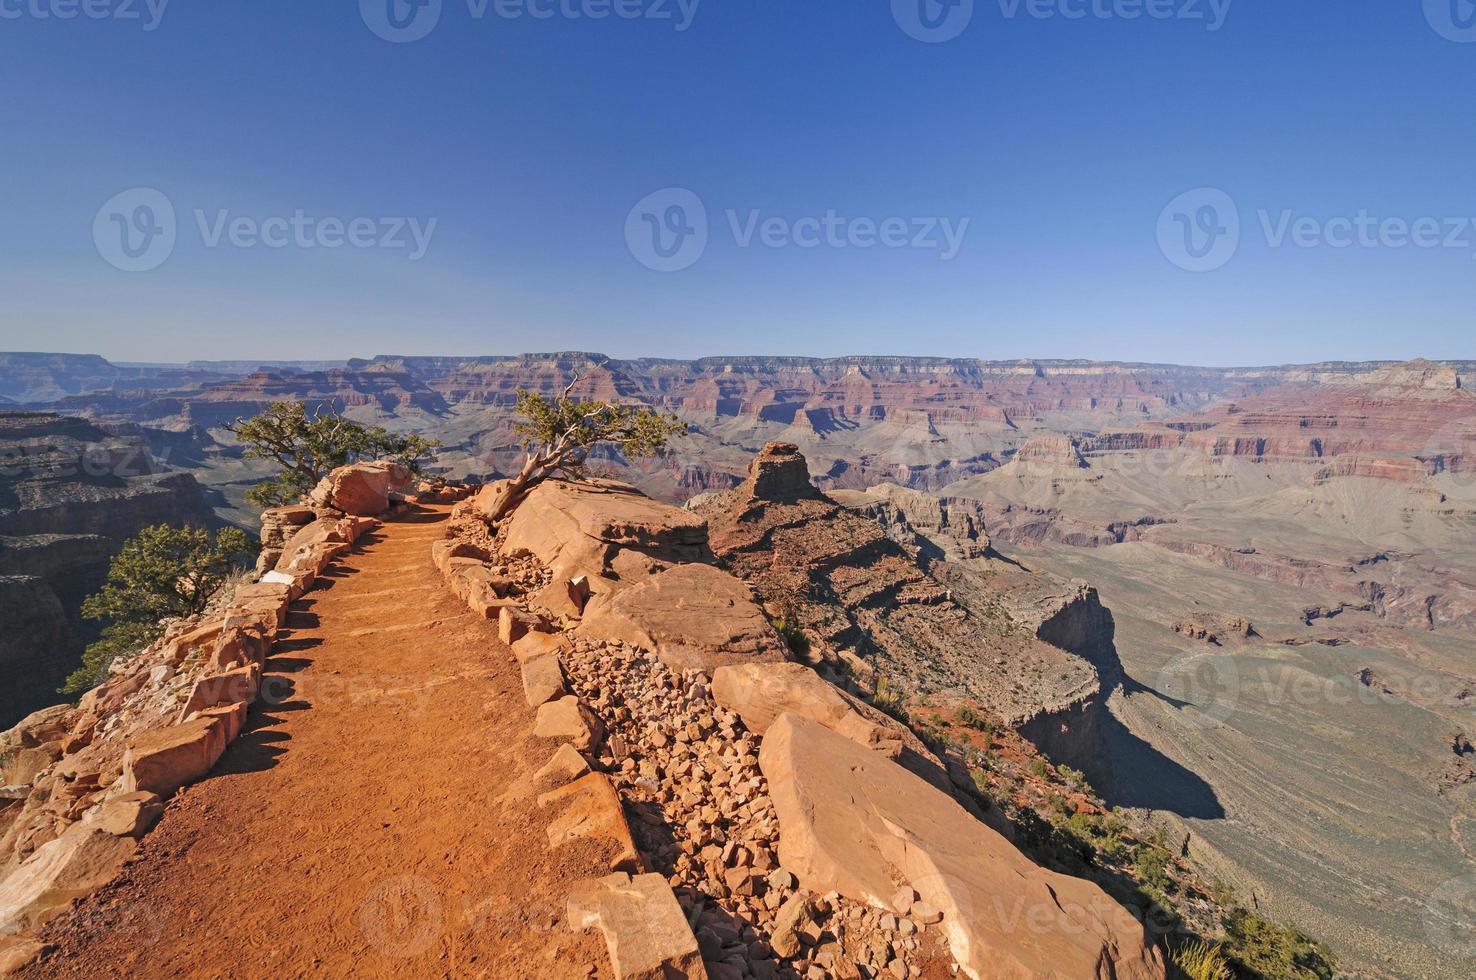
[[529, 141]]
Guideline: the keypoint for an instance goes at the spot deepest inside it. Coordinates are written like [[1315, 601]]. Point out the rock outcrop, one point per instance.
[[363, 489], [853, 823], [669, 694], [947, 527], [863, 600]]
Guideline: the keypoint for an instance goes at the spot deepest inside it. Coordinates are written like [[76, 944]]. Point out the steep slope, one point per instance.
[[71, 492], [867, 607]]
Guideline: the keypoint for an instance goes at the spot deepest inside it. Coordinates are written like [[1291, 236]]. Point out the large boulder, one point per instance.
[[75, 864], [852, 821], [362, 489], [579, 529], [760, 692], [693, 616]]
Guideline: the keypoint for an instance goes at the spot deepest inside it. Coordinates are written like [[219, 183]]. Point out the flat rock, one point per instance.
[[576, 528], [543, 680], [761, 692], [567, 719], [566, 766], [850, 821], [589, 808], [696, 617], [128, 815], [77, 863], [643, 925]]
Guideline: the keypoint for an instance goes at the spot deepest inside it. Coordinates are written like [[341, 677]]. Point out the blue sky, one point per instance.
[[528, 141]]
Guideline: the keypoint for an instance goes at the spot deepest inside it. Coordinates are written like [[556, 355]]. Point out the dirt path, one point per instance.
[[373, 820]]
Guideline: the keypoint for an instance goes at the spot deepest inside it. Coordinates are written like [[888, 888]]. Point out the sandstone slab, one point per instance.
[[643, 925], [854, 822], [166, 759], [576, 528], [239, 685], [760, 692], [694, 616], [589, 808], [567, 719], [566, 766], [543, 680], [77, 863], [127, 815]]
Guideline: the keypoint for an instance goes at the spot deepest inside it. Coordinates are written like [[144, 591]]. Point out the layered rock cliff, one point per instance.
[[71, 492]]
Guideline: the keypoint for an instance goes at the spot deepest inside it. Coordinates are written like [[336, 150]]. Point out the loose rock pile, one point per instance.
[[688, 772]]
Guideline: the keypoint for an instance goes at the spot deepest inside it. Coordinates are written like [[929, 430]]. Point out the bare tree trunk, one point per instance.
[[534, 471]]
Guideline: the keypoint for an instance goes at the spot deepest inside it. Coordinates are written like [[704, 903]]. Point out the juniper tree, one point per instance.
[[307, 447], [558, 434], [163, 573]]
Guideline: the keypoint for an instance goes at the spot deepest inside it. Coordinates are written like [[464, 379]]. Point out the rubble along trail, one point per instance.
[[374, 818]]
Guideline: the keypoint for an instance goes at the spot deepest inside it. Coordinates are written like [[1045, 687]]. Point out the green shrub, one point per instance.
[[1038, 766], [1151, 864], [1201, 960], [889, 701], [1074, 778], [981, 789], [165, 572], [1264, 949]]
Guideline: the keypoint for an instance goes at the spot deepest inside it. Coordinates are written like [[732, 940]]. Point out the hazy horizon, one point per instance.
[[133, 362]]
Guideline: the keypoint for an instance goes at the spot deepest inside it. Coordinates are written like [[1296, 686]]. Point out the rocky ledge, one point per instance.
[[767, 824]]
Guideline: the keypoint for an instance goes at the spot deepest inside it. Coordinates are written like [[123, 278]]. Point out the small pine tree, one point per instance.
[[163, 573]]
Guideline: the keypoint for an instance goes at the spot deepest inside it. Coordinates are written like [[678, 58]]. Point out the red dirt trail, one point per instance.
[[375, 817]]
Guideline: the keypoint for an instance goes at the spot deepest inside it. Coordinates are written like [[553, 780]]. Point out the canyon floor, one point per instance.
[[422, 854]]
